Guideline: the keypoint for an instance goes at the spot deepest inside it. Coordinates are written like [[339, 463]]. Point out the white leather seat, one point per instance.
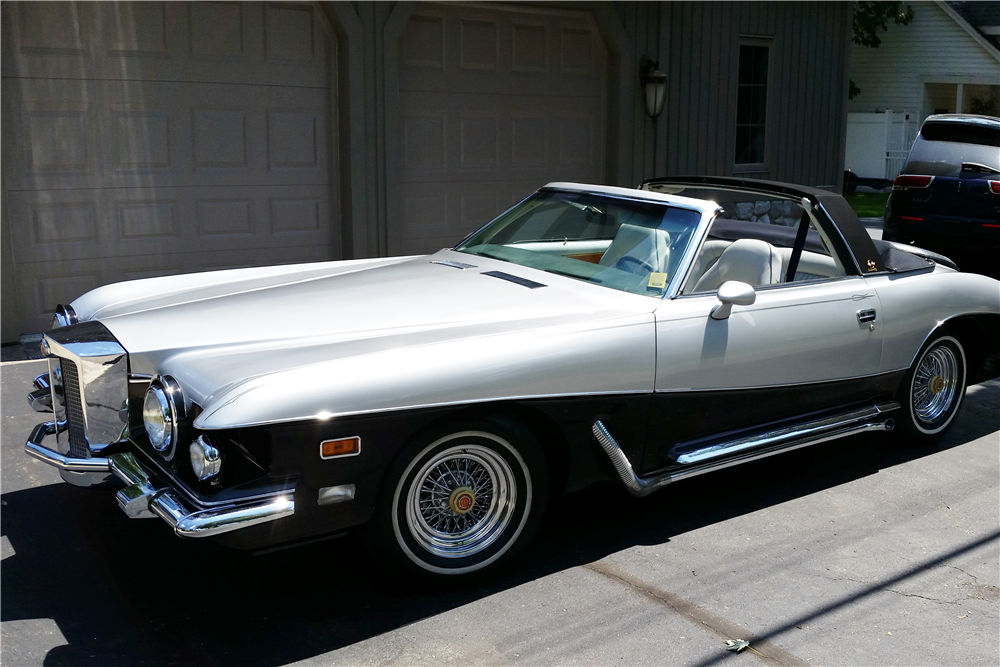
[[709, 254], [812, 265], [747, 260], [639, 250]]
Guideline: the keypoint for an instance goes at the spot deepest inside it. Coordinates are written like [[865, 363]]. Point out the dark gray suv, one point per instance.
[[947, 196]]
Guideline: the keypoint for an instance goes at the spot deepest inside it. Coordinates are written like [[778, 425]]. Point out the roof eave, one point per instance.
[[965, 25]]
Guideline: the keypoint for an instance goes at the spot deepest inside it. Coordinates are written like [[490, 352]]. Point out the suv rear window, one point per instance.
[[942, 148], [965, 134]]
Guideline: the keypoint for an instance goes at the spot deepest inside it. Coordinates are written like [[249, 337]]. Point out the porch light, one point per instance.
[[654, 83]]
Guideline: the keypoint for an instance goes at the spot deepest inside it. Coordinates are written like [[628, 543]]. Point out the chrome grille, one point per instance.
[[89, 370], [74, 409]]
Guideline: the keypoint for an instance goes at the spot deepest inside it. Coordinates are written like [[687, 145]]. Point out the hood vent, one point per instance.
[[452, 264], [517, 280]]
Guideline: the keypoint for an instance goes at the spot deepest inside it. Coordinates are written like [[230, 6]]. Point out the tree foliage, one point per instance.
[[869, 18]]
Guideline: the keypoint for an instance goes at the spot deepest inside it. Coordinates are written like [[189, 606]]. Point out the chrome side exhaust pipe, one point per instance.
[[741, 450]]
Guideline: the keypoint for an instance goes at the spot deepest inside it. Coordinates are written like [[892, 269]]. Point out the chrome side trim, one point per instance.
[[144, 497], [745, 449], [441, 404], [786, 434], [34, 447], [677, 390]]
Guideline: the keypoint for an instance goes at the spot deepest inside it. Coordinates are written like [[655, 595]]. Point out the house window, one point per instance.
[[751, 104]]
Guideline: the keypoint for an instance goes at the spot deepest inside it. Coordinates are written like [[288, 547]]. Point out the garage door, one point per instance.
[[144, 139], [493, 104]]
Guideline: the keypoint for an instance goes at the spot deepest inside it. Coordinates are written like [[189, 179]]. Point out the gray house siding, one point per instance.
[[368, 86], [697, 46]]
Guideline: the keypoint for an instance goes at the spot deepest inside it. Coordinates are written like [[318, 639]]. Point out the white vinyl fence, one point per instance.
[[877, 143]]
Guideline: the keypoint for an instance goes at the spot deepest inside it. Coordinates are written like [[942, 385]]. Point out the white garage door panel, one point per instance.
[[154, 138], [60, 225], [493, 104], [470, 49], [281, 44], [90, 134], [477, 137], [42, 286], [464, 211]]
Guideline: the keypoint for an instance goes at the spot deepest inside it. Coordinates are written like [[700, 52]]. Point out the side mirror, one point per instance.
[[733, 293]]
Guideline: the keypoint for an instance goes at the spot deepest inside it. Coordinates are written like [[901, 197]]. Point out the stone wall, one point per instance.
[[769, 212]]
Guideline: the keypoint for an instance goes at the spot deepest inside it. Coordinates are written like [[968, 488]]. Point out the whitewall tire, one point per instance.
[[460, 501]]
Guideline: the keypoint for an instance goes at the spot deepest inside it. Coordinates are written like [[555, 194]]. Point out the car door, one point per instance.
[[801, 347]]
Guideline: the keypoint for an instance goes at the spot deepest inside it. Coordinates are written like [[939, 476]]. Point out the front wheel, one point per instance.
[[460, 501], [932, 389]]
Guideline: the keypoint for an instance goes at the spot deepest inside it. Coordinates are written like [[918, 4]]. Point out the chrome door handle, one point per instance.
[[867, 315]]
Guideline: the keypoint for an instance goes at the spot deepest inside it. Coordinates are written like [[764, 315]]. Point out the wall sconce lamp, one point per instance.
[[654, 83]]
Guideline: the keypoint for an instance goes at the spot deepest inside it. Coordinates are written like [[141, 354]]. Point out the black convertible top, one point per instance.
[[828, 206]]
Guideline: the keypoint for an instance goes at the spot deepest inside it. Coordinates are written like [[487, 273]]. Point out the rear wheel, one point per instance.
[[461, 501], [933, 389]]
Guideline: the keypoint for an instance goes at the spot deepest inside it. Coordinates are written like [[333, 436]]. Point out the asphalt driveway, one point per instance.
[[853, 552]]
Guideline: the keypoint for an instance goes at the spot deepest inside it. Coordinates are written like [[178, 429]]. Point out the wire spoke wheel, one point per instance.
[[934, 384], [461, 500], [932, 390]]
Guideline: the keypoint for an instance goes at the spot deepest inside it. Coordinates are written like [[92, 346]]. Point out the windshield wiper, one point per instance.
[[572, 275], [483, 252]]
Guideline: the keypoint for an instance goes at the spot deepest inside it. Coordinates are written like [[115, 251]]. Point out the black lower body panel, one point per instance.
[[647, 426], [678, 417]]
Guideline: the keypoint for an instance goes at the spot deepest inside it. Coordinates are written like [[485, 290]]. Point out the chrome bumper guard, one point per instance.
[[40, 399], [146, 497], [35, 448]]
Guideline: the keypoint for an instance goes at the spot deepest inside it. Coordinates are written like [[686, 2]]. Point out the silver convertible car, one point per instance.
[[438, 402]]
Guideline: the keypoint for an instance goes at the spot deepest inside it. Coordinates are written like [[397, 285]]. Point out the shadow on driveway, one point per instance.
[[126, 592]]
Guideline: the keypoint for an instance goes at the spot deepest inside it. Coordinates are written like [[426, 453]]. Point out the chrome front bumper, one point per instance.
[[146, 497], [35, 448]]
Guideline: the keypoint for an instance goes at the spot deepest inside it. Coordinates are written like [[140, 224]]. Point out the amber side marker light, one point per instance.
[[329, 449]]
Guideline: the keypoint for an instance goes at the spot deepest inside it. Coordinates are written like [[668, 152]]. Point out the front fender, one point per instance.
[[612, 356]]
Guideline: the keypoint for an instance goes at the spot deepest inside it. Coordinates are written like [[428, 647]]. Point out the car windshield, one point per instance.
[[625, 244]]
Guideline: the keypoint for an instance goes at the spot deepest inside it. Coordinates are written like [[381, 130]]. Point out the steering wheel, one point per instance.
[[633, 265]]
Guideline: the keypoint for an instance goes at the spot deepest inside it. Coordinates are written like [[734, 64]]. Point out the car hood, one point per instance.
[[224, 334]]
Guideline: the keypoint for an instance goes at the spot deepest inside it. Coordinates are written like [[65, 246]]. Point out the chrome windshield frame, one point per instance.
[[700, 234]]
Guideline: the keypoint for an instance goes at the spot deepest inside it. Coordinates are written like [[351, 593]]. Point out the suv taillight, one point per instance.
[[995, 187], [905, 181]]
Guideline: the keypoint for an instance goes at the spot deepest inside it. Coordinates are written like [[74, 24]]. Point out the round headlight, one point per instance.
[[163, 414], [156, 417], [205, 459]]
